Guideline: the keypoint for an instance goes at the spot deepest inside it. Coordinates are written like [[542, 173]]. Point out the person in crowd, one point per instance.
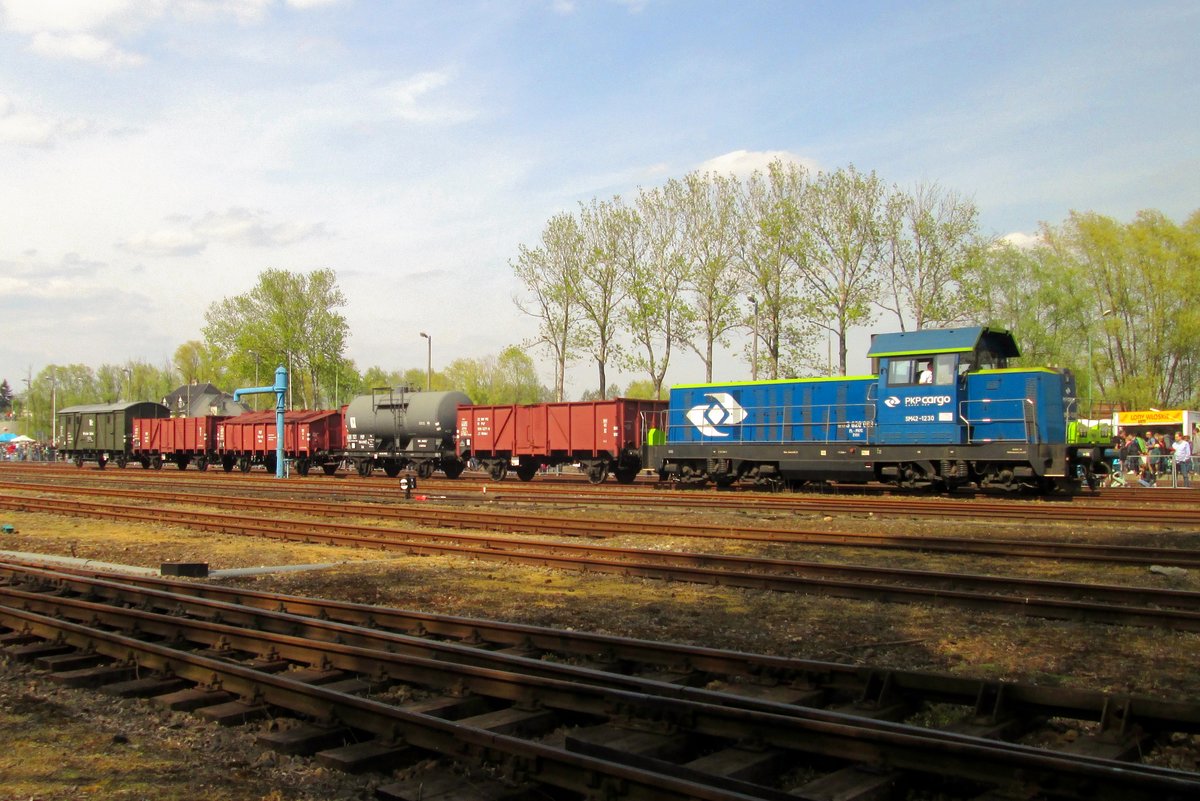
[[1154, 453], [1183, 458]]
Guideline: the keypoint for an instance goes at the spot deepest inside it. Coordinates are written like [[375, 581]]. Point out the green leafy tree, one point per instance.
[[6, 397], [289, 319]]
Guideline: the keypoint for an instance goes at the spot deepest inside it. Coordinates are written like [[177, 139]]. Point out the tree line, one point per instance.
[[783, 258], [786, 258]]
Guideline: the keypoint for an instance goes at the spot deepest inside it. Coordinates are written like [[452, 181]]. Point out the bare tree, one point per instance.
[[601, 285], [932, 236], [551, 274]]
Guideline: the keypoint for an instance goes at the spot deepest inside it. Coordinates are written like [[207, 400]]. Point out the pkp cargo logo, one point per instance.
[[723, 411], [891, 401]]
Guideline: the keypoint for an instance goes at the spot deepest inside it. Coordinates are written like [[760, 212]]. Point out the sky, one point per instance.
[[156, 155]]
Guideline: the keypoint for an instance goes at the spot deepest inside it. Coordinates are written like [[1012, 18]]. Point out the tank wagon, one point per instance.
[[942, 409], [601, 436], [398, 429], [104, 432]]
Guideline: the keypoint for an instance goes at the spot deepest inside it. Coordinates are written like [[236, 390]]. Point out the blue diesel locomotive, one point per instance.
[[943, 410]]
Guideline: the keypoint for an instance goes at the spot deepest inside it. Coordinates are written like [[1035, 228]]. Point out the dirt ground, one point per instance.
[[65, 744]]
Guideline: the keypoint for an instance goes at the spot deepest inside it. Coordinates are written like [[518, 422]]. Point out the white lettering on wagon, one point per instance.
[[927, 400]]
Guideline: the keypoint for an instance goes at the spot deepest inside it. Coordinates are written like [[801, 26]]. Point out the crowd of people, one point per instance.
[[26, 452], [1151, 457]]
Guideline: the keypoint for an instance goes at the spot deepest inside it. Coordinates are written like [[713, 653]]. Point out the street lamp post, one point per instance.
[[428, 361], [53, 409], [754, 342]]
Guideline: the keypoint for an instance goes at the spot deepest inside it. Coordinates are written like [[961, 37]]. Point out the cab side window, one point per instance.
[[900, 372]]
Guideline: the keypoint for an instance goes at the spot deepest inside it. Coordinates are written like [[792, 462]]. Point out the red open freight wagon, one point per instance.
[[310, 439], [180, 440], [601, 436]]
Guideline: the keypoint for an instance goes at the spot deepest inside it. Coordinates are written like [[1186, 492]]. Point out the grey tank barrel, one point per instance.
[[402, 416]]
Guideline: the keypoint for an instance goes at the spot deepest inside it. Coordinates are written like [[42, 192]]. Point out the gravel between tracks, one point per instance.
[[127, 750]]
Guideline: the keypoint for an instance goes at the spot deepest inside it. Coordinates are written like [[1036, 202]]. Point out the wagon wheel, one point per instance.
[[302, 466], [145, 462], [424, 469], [227, 463], [597, 472], [79, 461], [156, 462], [244, 464], [202, 464], [498, 470], [391, 469], [102, 462], [182, 462], [329, 469], [625, 475], [122, 461], [364, 468], [453, 469], [526, 472]]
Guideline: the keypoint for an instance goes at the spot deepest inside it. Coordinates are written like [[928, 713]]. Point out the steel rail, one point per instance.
[[593, 527], [821, 732], [699, 568], [409, 629]]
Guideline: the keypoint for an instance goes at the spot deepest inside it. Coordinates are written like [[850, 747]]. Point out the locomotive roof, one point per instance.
[[944, 340]]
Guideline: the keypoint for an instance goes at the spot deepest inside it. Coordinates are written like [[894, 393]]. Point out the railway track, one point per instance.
[[685, 723], [440, 516], [1135, 606], [1140, 506]]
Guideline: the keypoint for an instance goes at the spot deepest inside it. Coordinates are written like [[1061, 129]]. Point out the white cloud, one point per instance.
[[35, 16], [304, 5], [84, 47], [414, 99], [1022, 240], [27, 128], [744, 162], [185, 236]]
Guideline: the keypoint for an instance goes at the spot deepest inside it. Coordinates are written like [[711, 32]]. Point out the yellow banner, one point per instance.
[[1172, 417]]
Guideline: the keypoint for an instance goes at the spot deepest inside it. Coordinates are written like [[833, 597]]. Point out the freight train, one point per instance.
[[942, 409]]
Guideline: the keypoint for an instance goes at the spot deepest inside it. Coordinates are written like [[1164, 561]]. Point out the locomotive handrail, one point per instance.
[[995, 422]]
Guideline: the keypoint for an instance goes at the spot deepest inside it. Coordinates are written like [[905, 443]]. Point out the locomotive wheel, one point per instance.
[[329, 469], [244, 464], [526, 472], [201, 464], [424, 469], [453, 469], [302, 466], [498, 470], [597, 472], [625, 475], [391, 469]]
